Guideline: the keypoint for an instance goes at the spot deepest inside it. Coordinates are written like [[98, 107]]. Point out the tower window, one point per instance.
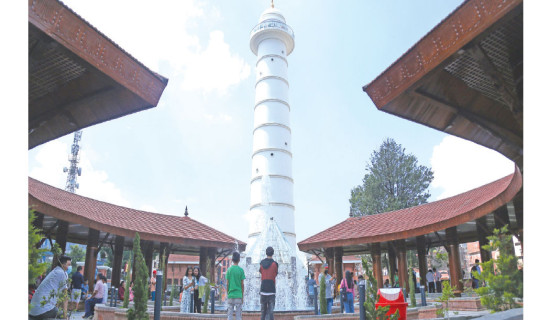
[[271, 59], [257, 170], [286, 144], [282, 52], [272, 154]]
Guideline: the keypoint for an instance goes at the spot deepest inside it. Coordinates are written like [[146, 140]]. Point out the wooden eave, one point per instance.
[[355, 244], [78, 77], [464, 77]]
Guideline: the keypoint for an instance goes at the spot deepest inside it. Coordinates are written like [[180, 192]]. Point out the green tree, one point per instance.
[[446, 294], [503, 280], [394, 180], [412, 287], [141, 288], [77, 254], [371, 297], [207, 287], [322, 294], [36, 268], [127, 282]]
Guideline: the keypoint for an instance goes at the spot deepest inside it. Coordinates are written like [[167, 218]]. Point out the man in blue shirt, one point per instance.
[[55, 281], [76, 284]]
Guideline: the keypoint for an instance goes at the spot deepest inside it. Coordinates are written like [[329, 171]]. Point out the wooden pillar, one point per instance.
[[212, 266], [518, 212], [482, 233], [329, 255], [422, 261], [391, 258], [455, 268], [338, 265], [117, 262], [61, 235], [91, 256], [376, 254], [147, 251], [501, 219], [403, 272], [203, 255]]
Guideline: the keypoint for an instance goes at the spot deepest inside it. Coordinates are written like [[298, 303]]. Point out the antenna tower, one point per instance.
[[73, 169]]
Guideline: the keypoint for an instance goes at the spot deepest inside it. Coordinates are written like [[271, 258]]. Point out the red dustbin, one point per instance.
[[393, 297]]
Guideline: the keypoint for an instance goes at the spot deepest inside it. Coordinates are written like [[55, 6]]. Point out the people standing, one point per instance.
[[430, 279], [56, 280], [188, 284], [329, 289], [76, 284], [348, 288], [474, 273], [200, 282], [153, 284], [269, 269], [437, 279], [311, 289], [235, 288], [97, 296]]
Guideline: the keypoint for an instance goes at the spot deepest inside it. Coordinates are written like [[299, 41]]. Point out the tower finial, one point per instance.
[[186, 213], [272, 5]]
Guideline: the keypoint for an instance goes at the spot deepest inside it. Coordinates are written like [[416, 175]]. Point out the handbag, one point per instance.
[[344, 292]]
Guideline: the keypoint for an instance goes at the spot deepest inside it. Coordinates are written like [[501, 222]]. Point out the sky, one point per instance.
[[194, 149]]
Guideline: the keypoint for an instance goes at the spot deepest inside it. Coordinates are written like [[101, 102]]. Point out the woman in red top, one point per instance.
[[121, 290], [348, 287]]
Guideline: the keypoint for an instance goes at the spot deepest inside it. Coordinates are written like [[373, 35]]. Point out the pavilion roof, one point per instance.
[[122, 221], [78, 77], [418, 220], [465, 77]]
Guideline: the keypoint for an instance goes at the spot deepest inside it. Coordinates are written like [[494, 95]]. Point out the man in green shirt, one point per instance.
[[235, 288]]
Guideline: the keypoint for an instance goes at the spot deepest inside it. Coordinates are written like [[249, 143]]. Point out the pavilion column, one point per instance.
[[147, 251], [91, 256], [482, 233], [329, 255], [211, 267], [376, 254], [61, 235], [402, 260], [338, 265], [117, 261], [203, 256], [422, 261], [501, 219], [455, 268], [518, 211], [391, 258]]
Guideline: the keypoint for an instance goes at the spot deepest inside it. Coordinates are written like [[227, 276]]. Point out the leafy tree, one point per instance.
[[128, 280], [107, 252], [76, 254], [35, 268], [371, 297], [394, 180], [207, 288], [412, 287], [446, 293], [141, 292], [323, 294], [503, 280]]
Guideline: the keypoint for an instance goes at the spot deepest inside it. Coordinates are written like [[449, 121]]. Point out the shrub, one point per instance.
[[322, 295], [141, 288]]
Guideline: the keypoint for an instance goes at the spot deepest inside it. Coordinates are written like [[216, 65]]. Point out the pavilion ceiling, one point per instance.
[[465, 77], [78, 77]]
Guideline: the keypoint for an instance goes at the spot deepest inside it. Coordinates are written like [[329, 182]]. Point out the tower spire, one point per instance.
[[272, 5]]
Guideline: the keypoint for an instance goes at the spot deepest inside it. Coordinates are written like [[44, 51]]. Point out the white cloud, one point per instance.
[[461, 165], [218, 118], [215, 68], [95, 184]]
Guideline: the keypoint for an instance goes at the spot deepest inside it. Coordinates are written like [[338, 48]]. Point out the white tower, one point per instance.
[[272, 186]]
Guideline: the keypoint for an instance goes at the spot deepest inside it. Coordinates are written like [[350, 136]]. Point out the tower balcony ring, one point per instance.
[[269, 29]]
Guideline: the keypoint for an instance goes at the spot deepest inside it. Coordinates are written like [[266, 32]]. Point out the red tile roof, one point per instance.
[[124, 221], [419, 220]]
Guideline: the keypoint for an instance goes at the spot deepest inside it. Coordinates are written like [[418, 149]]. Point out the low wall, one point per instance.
[[466, 304]]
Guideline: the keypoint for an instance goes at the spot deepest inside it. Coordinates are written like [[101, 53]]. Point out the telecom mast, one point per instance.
[[73, 169]]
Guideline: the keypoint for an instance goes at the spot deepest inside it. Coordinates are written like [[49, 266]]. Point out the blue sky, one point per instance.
[[194, 149]]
